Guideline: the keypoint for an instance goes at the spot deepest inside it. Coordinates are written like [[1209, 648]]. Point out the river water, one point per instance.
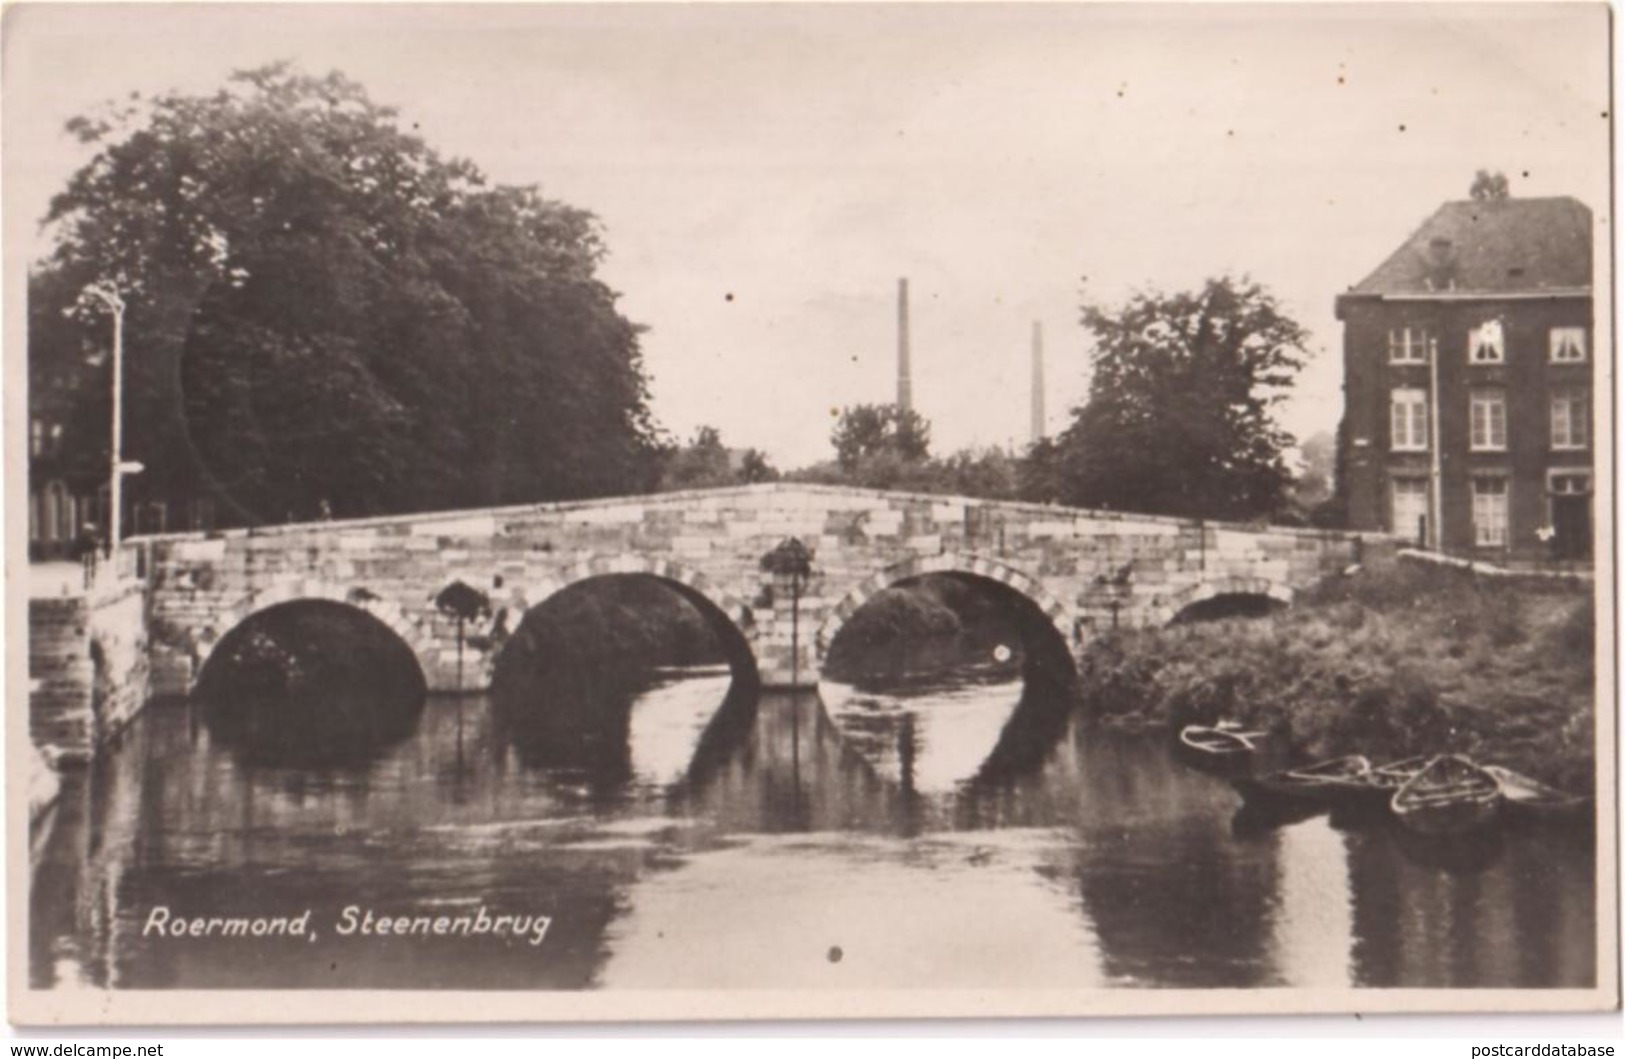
[[897, 835]]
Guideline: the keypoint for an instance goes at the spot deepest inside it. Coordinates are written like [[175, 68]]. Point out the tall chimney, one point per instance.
[[905, 383], [1038, 382]]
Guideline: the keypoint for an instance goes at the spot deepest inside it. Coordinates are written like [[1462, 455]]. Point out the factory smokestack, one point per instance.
[[905, 382], [1038, 382]]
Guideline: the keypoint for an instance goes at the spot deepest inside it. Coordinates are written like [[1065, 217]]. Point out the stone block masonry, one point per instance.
[[88, 669], [1083, 570]]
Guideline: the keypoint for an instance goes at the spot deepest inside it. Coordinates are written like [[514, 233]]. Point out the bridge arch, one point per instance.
[[968, 564], [732, 619], [1257, 587], [419, 640]]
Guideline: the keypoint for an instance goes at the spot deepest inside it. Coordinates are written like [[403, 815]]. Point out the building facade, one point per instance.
[[1469, 380]]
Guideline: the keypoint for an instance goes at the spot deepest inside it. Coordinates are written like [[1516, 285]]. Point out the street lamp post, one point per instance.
[[109, 296], [790, 563], [790, 566]]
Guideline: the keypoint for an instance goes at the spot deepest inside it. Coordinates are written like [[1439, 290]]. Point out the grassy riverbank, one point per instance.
[[1389, 663]]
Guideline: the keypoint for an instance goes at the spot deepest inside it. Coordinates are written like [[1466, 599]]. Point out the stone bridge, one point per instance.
[[1073, 572]]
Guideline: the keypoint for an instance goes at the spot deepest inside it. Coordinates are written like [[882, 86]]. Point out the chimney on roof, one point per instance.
[[1038, 382], [905, 382]]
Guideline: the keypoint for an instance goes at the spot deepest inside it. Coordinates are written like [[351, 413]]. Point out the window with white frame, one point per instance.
[[1568, 345], [1408, 420], [1410, 508], [1490, 512], [1569, 483], [1486, 343], [1571, 413], [1408, 345], [1488, 422]]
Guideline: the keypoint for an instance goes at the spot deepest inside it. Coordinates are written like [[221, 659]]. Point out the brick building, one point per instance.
[[1469, 365]]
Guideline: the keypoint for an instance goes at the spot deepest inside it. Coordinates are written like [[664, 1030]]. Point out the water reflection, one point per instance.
[[742, 839]]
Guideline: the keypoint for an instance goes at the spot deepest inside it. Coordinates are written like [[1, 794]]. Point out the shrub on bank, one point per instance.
[[1389, 663], [624, 625]]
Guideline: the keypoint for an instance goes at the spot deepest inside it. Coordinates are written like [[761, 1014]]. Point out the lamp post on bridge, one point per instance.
[[463, 603], [790, 564]]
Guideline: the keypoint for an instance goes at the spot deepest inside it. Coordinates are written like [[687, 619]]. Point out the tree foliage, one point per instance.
[[754, 467], [321, 307], [1179, 418], [701, 464], [880, 431], [706, 463]]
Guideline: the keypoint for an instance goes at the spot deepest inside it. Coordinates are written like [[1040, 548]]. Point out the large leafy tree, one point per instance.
[[325, 314], [1179, 418]]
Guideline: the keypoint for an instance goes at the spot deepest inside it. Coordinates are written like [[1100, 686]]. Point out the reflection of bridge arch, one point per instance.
[[1257, 587], [974, 566], [730, 617], [417, 639]]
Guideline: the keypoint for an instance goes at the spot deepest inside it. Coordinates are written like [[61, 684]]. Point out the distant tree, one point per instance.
[[869, 431], [701, 464], [754, 467], [1333, 512], [321, 307], [990, 473], [1489, 187], [1040, 472], [1316, 478], [1310, 498], [1179, 415], [706, 463]]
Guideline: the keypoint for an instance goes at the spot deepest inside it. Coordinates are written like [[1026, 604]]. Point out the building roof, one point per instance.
[[1497, 247]]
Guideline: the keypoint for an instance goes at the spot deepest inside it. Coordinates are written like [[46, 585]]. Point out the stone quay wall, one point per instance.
[[88, 669]]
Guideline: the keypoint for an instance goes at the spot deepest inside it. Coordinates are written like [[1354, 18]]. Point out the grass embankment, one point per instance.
[[1389, 663]]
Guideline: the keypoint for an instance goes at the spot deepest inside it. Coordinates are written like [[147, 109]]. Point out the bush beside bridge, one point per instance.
[[1389, 663]]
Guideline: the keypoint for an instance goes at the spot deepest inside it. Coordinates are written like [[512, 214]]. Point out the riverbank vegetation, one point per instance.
[[613, 626], [908, 625], [1390, 663], [564, 684]]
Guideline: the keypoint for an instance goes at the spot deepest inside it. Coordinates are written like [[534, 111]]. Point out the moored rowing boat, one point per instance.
[[1449, 795], [1529, 798], [1319, 783], [1225, 748]]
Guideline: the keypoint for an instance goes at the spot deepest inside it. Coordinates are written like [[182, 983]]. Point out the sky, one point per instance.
[[766, 173]]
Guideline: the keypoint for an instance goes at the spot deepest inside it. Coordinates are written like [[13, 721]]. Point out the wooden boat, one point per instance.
[[1450, 795], [1223, 741], [1225, 749], [1528, 798], [1398, 773], [1372, 789], [1319, 783]]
